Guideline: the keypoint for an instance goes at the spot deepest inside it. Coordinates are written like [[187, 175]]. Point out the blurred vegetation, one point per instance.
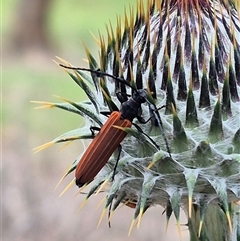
[[34, 72], [71, 21]]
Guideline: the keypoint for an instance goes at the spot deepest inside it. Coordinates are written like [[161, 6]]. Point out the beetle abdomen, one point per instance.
[[101, 148]]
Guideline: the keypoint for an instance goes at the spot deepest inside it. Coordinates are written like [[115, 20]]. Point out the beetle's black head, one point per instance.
[[140, 96]]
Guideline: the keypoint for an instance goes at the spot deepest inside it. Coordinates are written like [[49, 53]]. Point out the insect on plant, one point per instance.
[[112, 133]]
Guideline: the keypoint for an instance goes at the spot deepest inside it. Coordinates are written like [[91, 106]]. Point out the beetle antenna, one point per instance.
[[100, 73], [159, 121], [158, 118], [154, 109]]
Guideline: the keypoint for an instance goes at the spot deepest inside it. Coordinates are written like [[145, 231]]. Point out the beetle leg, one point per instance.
[[106, 113], [94, 128], [159, 122], [122, 97], [118, 157], [109, 212], [157, 119], [142, 120]]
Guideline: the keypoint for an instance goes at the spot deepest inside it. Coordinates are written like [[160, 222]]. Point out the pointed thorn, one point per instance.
[[60, 181], [150, 165], [101, 202], [229, 221], [68, 187], [200, 228], [131, 226], [66, 144], [140, 217], [82, 204], [179, 230], [81, 189], [42, 147], [61, 98], [85, 60], [166, 226], [44, 104], [102, 186], [62, 60], [95, 38], [173, 109], [54, 61], [102, 216], [190, 206]]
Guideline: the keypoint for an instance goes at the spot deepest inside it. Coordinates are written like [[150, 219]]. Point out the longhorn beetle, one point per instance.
[[110, 137]]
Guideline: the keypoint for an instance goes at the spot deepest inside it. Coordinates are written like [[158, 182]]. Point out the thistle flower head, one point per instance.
[[186, 53]]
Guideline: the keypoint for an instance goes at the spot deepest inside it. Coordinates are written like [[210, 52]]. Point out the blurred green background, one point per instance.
[[31, 209]]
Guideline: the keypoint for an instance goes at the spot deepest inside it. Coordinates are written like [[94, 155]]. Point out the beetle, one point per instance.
[[110, 137]]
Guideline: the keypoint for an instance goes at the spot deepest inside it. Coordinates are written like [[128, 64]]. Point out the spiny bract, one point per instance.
[[187, 53]]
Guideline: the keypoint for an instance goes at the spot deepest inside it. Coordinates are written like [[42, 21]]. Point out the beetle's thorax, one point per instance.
[[130, 108]]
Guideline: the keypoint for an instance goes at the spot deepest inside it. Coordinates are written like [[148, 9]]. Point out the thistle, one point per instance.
[[186, 53]]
